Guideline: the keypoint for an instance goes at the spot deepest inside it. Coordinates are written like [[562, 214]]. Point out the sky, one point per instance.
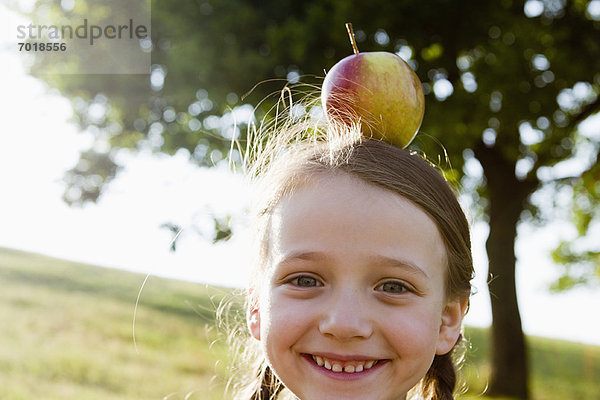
[[38, 143]]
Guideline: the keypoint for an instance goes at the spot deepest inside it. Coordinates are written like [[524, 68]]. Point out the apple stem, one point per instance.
[[352, 38]]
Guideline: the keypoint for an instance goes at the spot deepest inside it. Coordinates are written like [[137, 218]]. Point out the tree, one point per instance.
[[507, 84]]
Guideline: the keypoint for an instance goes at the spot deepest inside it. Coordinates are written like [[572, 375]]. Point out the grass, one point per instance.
[[66, 333], [560, 370]]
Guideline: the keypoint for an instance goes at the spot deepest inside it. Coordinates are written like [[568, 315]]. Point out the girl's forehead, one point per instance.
[[339, 189], [339, 214], [326, 182]]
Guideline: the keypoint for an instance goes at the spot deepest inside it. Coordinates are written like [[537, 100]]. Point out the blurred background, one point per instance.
[[133, 172]]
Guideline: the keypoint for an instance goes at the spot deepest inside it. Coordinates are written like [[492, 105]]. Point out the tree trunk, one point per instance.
[[507, 196]]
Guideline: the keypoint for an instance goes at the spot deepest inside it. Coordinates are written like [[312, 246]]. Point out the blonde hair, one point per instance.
[[300, 150]]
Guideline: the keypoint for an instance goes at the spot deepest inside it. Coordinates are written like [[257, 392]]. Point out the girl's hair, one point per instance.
[[288, 164]]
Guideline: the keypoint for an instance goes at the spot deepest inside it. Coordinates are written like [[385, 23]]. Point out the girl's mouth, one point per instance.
[[343, 367]]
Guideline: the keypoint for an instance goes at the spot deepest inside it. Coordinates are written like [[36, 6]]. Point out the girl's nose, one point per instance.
[[345, 317]]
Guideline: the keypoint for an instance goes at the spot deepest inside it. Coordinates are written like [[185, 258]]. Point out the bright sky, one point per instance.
[[38, 143]]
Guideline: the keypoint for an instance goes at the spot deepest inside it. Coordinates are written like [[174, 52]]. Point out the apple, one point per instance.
[[377, 90]]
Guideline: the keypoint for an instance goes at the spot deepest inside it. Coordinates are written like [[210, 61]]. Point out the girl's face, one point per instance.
[[353, 305]]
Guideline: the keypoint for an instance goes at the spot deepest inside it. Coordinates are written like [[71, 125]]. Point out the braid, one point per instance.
[[440, 380], [269, 388]]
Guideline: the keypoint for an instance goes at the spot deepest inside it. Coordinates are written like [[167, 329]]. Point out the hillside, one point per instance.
[[66, 333]]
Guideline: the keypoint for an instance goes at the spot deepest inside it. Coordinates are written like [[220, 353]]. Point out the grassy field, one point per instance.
[[66, 333]]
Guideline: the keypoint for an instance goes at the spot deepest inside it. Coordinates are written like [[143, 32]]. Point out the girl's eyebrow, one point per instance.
[[304, 256], [376, 260], [384, 261]]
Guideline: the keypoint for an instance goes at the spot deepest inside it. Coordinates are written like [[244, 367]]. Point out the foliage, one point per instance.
[[580, 258], [518, 82]]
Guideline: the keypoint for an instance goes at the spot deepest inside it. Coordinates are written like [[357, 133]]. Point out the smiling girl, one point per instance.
[[362, 273]]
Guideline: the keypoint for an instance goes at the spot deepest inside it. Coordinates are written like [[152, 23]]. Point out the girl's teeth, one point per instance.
[[350, 368]]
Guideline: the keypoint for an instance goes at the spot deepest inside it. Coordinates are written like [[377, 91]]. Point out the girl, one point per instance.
[[362, 274]]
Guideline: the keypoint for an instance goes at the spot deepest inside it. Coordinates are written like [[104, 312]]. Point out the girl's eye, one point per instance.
[[393, 287], [305, 281]]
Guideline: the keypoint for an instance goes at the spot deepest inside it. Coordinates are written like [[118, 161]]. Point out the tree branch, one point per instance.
[[587, 111]]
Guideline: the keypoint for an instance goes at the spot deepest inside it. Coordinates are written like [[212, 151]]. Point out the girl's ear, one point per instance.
[[254, 321], [253, 314], [451, 325]]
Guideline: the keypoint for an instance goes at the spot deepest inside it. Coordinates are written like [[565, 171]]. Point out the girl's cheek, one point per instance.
[[414, 329], [283, 314]]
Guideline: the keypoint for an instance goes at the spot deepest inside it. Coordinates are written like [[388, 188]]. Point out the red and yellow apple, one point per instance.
[[377, 90]]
